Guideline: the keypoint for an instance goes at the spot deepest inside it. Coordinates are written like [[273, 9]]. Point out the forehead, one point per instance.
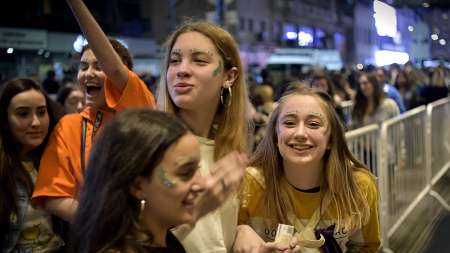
[[29, 98], [191, 41], [177, 154], [88, 55], [302, 105]]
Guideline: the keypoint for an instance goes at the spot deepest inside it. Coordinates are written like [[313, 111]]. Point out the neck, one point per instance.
[[157, 229], [200, 121], [303, 177]]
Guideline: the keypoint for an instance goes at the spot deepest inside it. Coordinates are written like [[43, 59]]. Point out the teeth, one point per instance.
[[301, 147]]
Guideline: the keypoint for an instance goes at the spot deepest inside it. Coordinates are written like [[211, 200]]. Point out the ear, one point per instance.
[[230, 77], [136, 188]]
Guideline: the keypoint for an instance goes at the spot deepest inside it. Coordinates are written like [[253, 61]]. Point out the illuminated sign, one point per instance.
[[385, 19], [386, 57]]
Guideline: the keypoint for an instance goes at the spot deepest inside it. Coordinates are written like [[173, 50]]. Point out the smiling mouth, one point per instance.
[[93, 90], [301, 147]]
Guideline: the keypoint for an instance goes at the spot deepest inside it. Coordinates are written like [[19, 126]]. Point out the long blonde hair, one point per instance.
[[232, 121], [338, 174]]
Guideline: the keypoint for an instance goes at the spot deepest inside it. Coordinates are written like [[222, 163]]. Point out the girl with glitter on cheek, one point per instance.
[[147, 161]]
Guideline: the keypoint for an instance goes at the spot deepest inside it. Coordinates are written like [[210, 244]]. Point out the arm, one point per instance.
[[109, 60], [248, 241], [64, 208]]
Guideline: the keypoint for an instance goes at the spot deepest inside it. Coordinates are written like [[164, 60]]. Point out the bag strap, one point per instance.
[[84, 122], [83, 143]]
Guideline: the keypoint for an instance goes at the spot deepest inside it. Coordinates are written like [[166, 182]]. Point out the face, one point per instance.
[[74, 102], [365, 86], [321, 84], [91, 78], [173, 189], [302, 130], [28, 119], [196, 73]]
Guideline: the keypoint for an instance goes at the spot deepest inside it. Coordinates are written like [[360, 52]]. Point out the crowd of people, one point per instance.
[[106, 167]]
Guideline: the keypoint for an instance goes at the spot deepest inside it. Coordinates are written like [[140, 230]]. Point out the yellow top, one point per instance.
[[251, 212]]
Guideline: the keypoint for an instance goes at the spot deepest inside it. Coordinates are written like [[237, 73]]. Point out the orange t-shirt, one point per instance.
[[60, 172]]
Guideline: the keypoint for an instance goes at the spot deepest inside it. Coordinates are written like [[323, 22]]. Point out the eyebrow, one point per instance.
[[184, 160]]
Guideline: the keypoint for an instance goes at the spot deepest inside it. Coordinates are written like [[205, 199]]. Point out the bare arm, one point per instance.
[[109, 60], [64, 208]]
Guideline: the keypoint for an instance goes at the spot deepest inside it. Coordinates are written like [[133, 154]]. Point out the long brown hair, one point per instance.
[[361, 102], [338, 174], [232, 121], [12, 171]]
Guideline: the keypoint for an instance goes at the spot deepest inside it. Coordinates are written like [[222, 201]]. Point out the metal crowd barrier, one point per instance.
[[408, 154], [347, 108]]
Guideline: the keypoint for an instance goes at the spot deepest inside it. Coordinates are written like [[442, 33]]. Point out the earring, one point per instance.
[[143, 202], [228, 102]]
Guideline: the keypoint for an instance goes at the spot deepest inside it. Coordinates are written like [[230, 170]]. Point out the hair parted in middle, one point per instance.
[[338, 181], [131, 145], [229, 136]]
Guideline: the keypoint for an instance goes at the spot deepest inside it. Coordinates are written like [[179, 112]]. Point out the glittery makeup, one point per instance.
[[218, 69], [165, 180]]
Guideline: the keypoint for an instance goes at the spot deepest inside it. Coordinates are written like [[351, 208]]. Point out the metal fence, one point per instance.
[[408, 154]]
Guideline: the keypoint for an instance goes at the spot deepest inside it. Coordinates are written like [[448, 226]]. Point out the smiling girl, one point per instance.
[[26, 121], [110, 86], [303, 175]]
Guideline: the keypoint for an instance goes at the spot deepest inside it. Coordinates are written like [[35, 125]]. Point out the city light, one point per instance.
[[426, 5], [10, 50], [386, 57], [304, 38], [434, 36], [291, 35], [442, 42], [359, 66], [410, 28]]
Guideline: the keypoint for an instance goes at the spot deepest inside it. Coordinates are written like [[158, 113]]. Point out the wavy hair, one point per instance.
[[338, 174], [229, 136]]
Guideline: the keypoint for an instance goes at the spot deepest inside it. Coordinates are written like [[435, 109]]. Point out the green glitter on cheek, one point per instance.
[[165, 180], [217, 70]]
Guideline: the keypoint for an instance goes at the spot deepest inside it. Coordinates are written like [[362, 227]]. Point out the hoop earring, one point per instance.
[[228, 102]]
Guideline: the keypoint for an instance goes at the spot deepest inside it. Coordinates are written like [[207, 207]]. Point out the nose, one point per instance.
[[90, 71], [301, 131], [198, 185], [184, 69], [35, 120], [80, 106]]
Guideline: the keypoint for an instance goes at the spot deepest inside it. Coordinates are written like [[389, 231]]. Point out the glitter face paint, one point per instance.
[[164, 179], [218, 69]]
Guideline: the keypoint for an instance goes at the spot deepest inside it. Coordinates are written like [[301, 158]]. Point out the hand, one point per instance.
[[224, 179], [248, 241]]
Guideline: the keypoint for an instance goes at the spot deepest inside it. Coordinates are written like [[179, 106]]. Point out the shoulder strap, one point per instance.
[[83, 143]]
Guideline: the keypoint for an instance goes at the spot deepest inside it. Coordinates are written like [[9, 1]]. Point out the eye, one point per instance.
[[201, 61], [83, 66], [174, 60], [41, 112], [188, 173], [289, 123], [314, 124]]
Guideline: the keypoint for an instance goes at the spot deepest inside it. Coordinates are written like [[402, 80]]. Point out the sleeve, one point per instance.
[[250, 194], [135, 94], [57, 175], [367, 239]]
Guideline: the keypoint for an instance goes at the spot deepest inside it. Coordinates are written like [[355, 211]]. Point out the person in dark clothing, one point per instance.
[[50, 85]]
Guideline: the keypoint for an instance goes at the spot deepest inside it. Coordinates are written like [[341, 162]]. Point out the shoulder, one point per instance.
[[252, 186], [366, 182]]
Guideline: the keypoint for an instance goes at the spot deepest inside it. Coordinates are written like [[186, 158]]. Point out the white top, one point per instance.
[[214, 232]]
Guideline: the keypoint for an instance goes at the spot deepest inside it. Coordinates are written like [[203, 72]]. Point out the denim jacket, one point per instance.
[[16, 222]]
